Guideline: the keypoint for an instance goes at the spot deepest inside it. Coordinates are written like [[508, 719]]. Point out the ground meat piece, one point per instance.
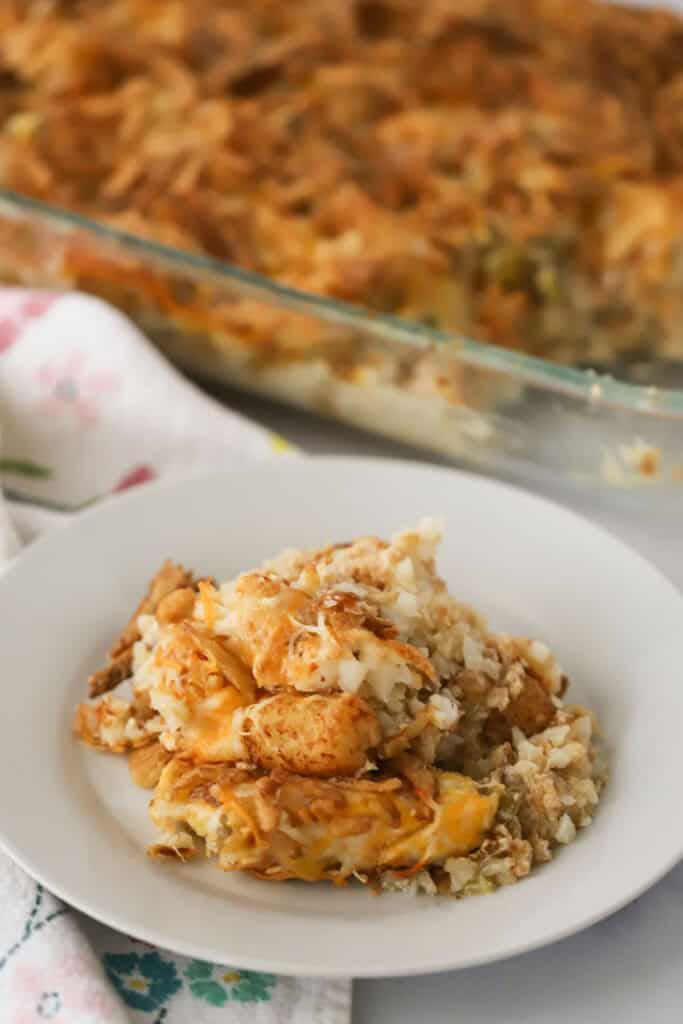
[[531, 711]]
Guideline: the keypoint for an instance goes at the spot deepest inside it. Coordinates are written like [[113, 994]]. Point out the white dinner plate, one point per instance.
[[71, 817]]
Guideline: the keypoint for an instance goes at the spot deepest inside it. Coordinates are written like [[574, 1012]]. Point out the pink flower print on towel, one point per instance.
[[9, 332], [138, 475], [73, 388], [36, 304], [17, 308], [61, 993]]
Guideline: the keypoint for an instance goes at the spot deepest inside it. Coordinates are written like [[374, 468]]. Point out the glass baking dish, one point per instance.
[[475, 403]]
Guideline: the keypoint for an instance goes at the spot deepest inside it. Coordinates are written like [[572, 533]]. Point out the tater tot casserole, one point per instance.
[[337, 714]]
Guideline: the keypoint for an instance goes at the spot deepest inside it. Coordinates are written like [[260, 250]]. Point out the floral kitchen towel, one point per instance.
[[89, 408]]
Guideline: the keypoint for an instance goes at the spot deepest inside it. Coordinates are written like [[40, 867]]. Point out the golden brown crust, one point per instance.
[[282, 642], [449, 162], [103, 725], [176, 606], [316, 735], [147, 763], [220, 658], [111, 675], [169, 578]]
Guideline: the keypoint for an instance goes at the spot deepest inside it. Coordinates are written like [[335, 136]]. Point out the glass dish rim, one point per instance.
[[595, 389]]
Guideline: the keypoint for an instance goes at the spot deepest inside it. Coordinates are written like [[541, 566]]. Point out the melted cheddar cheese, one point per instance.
[[298, 827]]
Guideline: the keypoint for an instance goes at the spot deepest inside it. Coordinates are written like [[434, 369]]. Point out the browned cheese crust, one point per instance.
[[169, 578]]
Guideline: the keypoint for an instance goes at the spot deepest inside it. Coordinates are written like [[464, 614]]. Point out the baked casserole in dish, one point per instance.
[[322, 201]]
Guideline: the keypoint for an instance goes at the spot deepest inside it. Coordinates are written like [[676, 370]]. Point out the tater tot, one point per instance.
[[314, 735]]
